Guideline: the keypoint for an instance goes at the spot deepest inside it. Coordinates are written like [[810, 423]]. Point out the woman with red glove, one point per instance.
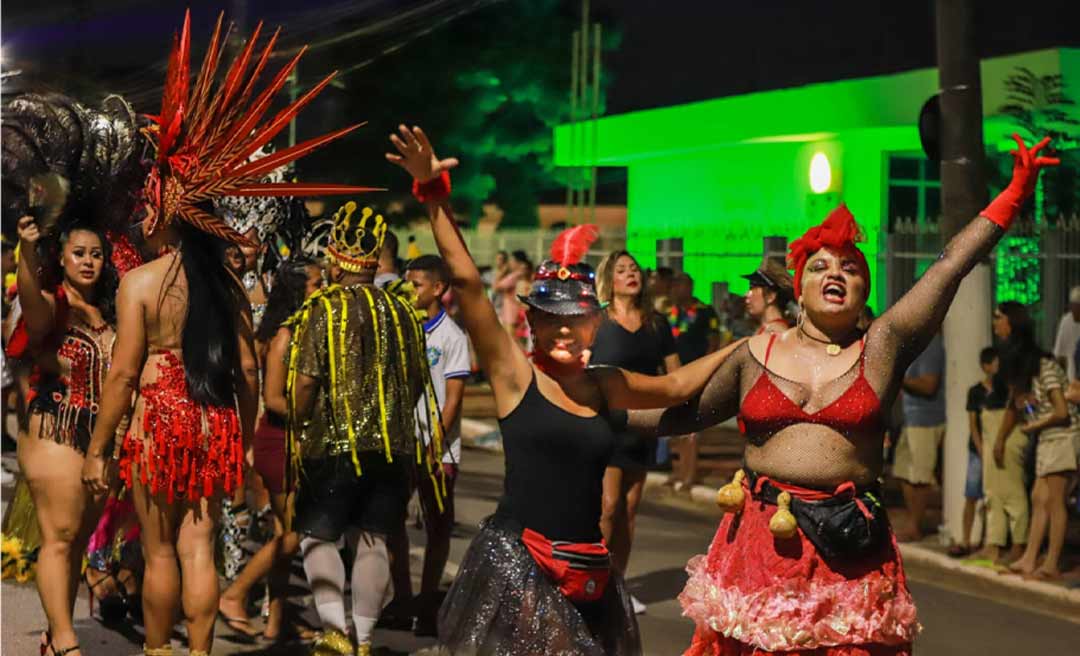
[[538, 578], [804, 558], [69, 322]]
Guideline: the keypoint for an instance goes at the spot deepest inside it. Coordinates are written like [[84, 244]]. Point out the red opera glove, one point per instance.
[[434, 190], [1026, 166]]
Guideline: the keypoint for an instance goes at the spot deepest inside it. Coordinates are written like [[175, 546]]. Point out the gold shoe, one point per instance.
[[198, 652], [165, 650], [364, 649], [332, 643]]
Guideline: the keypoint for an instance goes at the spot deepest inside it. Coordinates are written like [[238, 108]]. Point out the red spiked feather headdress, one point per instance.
[[204, 136]]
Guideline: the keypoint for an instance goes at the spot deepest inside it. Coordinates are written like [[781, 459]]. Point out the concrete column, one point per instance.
[[967, 331]]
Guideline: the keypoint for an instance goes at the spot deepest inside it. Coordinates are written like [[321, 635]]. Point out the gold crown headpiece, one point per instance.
[[356, 239]]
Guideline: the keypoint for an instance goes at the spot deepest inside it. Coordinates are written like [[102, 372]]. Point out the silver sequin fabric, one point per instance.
[[502, 604]]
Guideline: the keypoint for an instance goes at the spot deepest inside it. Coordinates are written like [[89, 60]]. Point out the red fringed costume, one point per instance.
[[175, 445], [759, 591], [203, 139]]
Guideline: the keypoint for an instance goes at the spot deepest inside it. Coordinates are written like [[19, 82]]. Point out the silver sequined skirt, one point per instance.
[[502, 604]]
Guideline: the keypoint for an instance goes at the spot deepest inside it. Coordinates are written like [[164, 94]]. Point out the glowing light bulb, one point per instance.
[[820, 173]]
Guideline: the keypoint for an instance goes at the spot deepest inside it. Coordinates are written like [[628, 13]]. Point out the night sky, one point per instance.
[[671, 51]]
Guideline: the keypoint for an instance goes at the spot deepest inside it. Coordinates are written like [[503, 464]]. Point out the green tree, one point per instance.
[[488, 87], [1039, 107]]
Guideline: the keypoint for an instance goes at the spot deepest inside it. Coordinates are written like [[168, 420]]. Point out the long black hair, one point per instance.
[[215, 300], [286, 295], [1021, 354], [50, 252]]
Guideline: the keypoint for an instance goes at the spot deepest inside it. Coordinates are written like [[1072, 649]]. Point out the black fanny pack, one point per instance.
[[848, 524]]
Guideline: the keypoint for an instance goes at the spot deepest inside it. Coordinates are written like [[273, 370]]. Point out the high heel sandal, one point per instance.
[[164, 650], [47, 648], [114, 608]]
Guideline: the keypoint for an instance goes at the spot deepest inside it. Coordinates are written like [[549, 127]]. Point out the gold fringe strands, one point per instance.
[[359, 372]]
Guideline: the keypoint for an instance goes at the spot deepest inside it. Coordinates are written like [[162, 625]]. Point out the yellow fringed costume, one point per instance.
[[366, 347]]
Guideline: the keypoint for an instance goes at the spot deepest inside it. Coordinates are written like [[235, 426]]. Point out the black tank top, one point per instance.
[[555, 464]]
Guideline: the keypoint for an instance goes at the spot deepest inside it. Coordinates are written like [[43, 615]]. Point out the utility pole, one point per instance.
[[963, 195], [584, 104]]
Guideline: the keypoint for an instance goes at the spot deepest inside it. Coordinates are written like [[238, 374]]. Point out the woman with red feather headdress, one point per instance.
[[193, 373], [804, 561], [538, 578]]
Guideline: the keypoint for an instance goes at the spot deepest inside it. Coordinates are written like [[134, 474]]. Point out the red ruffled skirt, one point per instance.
[[755, 593], [180, 446]]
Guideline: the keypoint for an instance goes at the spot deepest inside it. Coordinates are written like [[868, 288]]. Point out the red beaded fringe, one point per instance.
[[184, 446]]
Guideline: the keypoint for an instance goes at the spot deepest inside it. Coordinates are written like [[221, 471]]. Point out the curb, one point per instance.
[[926, 565]]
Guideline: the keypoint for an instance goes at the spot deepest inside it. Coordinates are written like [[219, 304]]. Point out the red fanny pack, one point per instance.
[[580, 569]]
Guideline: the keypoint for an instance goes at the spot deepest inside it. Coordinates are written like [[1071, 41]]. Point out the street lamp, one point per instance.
[[820, 173]]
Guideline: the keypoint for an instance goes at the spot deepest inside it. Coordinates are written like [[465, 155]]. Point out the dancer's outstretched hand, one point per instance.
[[417, 156], [1027, 164]]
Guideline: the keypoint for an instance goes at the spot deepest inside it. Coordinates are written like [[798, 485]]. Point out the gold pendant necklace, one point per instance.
[[831, 348]]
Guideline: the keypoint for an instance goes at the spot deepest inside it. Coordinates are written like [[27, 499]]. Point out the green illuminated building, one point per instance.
[[724, 173]]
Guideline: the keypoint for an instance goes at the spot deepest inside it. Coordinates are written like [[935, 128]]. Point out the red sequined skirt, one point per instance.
[[754, 593], [178, 446]]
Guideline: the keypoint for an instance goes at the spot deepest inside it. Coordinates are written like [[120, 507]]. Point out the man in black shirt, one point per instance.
[[694, 324], [988, 394]]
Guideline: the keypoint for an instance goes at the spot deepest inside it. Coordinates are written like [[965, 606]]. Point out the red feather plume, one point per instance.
[[573, 244], [207, 131]]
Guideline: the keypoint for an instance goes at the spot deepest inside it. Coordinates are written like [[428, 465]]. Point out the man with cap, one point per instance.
[[1068, 334], [770, 292]]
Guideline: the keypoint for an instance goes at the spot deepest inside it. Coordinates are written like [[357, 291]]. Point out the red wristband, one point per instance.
[[434, 190]]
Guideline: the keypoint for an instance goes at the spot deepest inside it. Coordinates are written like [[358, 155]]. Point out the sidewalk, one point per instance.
[[924, 561]]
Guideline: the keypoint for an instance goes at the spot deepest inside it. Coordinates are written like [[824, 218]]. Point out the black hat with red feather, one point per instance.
[[565, 284]]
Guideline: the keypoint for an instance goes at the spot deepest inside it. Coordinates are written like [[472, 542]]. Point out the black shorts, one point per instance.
[[332, 498]]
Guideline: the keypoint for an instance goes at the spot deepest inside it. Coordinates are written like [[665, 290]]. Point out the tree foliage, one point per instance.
[[488, 87], [1038, 105]]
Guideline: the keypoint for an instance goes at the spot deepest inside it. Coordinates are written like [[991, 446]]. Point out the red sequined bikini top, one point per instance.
[[766, 410]]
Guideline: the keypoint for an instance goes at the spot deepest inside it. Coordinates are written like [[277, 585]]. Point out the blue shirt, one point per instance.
[[922, 411]]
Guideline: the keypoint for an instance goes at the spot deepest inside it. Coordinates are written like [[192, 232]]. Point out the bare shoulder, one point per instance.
[[759, 344], [148, 275]]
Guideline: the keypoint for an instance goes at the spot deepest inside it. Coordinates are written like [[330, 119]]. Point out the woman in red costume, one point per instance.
[[70, 327], [184, 330], [804, 561]]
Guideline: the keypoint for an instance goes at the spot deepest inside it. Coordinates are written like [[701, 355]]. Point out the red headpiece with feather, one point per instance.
[[565, 284], [204, 136], [838, 232]]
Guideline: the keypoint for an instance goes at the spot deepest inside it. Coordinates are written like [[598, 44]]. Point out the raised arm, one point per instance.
[[916, 317], [629, 390], [717, 402], [37, 306], [122, 380], [503, 361]]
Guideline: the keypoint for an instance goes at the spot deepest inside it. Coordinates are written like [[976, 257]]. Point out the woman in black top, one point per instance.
[[636, 338], [537, 579]]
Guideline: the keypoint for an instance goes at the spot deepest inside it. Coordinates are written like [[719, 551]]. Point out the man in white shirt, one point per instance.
[[448, 357], [1068, 334]]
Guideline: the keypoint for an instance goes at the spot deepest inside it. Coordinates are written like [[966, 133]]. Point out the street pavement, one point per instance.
[[669, 532]]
